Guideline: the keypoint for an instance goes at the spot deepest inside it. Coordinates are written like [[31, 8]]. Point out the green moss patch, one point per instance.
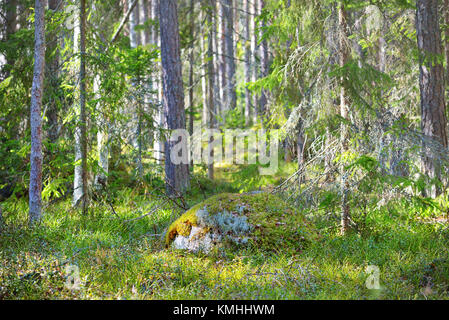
[[263, 220]]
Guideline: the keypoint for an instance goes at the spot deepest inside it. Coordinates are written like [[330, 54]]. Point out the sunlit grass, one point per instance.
[[127, 260]]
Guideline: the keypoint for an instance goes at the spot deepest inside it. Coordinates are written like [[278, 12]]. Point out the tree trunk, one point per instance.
[[247, 61], [134, 21], [344, 105], [80, 181], [300, 143], [446, 45], [221, 56], [11, 26], [35, 196], [191, 67], [52, 76], [210, 86], [254, 62], [263, 63], [176, 175], [431, 82], [102, 140], [135, 41], [204, 63], [216, 57], [144, 12], [156, 40], [231, 97]]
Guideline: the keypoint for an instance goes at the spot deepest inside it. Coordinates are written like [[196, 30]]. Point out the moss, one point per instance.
[[275, 223], [183, 225]]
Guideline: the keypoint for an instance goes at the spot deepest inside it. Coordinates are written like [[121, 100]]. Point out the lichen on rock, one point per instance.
[[263, 220]]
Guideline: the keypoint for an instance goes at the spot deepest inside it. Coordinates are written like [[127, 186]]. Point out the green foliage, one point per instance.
[[124, 260]]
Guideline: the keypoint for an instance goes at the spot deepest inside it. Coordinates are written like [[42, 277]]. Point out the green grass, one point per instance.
[[128, 260]]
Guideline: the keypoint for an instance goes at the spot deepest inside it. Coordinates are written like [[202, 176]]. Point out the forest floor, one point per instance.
[[119, 258]]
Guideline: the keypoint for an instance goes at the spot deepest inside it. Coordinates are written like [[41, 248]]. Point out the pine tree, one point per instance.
[[176, 175], [431, 82], [35, 196]]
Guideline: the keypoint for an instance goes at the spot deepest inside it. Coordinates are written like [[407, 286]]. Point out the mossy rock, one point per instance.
[[261, 220]]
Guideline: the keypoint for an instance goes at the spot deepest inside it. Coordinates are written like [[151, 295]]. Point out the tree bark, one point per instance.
[[344, 105], [156, 41], [221, 56], [431, 82], [263, 62], [144, 12], [247, 39], [11, 27], [53, 78], [35, 195], [446, 45], [176, 175], [134, 21], [254, 62], [80, 181], [135, 41], [210, 85], [231, 97], [103, 125], [191, 71]]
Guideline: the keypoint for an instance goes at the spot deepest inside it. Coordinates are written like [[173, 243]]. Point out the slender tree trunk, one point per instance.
[[222, 59], [35, 196], [11, 26], [254, 62], [80, 181], [431, 82], [134, 21], [263, 62], [176, 175], [228, 12], [159, 143], [446, 45], [204, 62], [247, 21], [135, 41], [300, 144], [102, 139], [144, 15], [191, 67], [210, 85], [216, 57], [344, 105], [53, 78]]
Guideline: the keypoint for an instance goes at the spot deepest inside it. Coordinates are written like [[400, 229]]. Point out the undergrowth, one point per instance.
[[121, 258]]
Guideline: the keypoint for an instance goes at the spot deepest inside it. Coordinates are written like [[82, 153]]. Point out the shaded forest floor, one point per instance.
[[121, 258]]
